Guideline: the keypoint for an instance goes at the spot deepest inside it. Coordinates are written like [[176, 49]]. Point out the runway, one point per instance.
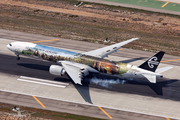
[[161, 6], [143, 99]]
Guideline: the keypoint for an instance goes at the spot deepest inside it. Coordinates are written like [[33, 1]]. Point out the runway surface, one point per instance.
[[118, 98], [172, 7]]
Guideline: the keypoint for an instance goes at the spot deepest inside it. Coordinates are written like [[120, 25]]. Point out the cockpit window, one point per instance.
[[10, 44]]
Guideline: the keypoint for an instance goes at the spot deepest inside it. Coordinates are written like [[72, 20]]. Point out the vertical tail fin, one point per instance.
[[152, 63]]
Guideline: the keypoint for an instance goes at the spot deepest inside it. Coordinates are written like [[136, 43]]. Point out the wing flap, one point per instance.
[[75, 70], [105, 51], [74, 74]]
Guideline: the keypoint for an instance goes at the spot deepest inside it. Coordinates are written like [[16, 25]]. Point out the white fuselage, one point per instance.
[[50, 53]]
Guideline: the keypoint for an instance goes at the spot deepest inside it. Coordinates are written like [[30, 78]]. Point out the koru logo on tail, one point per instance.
[[153, 61]]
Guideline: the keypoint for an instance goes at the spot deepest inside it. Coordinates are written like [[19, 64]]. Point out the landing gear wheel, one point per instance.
[[18, 58]]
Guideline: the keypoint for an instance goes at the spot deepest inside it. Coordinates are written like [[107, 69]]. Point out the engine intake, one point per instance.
[[56, 70]]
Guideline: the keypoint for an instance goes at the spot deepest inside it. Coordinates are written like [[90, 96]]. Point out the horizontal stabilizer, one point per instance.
[[150, 77], [161, 70]]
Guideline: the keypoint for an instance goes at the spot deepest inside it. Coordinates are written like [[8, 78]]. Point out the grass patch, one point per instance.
[[44, 114]]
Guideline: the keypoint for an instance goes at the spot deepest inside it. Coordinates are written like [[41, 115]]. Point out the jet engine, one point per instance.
[[57, 70]]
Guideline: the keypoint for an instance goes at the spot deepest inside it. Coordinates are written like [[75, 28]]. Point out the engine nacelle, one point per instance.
[[56, 70]]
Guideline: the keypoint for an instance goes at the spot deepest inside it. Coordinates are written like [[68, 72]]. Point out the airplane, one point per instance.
[[79, 65]]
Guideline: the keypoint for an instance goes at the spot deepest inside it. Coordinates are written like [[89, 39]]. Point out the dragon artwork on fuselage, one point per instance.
[[55, 54]]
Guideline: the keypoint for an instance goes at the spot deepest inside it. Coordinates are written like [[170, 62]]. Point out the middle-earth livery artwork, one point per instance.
[[54, 54], [78, 65]]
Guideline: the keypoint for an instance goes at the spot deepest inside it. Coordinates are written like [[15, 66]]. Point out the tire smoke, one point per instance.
[[107, 83]]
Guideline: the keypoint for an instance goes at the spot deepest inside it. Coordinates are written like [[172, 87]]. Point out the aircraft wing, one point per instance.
[[76, 70], [105, 51]]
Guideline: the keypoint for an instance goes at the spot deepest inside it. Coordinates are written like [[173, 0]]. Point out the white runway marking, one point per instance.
[[42, 81], [172, 1], [38, 79]]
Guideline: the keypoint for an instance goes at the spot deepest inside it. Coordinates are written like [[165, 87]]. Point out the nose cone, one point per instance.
[[9, 46]]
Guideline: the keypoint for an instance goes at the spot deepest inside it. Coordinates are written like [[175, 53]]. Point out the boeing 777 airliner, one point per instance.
[[77, 65]]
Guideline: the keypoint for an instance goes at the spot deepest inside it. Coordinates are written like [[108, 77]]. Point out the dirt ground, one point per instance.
[[93, 23], [6, 113]]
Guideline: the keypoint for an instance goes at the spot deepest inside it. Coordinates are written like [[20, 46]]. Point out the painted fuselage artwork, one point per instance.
[[55, 54], [78, 65]]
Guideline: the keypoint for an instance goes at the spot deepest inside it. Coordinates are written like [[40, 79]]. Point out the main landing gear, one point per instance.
[[18, 58]]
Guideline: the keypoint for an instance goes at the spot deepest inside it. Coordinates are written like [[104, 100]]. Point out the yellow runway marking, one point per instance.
[[167, 118], [165, 4], [39, 102], [120, 49], [105, 112], [171, 60], [44, 41]]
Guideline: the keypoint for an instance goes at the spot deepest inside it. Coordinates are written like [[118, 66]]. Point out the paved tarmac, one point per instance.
[[70, 107], [150, 5], [161, 99]]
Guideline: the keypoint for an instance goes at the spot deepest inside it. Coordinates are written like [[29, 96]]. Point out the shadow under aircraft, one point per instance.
[[83, 90], [108, 82], [39, 69], [157, 88], [117, 84], [34, 66], [111, 83]]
